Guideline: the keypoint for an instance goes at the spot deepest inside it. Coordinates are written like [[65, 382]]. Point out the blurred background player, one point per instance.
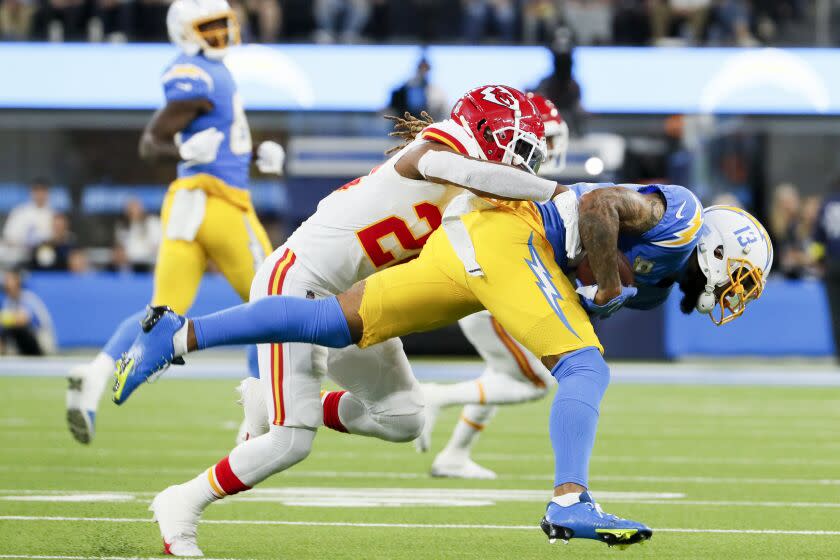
[[512, 374], [207, 213]]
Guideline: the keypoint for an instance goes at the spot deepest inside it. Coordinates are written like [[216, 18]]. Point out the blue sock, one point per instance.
[[253, 362], [275, 319], [125, 334], [582, 378]]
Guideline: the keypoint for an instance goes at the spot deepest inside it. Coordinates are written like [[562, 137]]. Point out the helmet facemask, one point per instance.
[[746, 284], [216, 33], [522, 149]]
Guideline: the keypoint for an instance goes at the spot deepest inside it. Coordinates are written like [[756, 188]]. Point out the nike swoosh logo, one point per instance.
[[679, 212], [183, 86]]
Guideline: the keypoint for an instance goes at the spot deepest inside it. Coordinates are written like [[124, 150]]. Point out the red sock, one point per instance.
[[223, 481], [330, 404]]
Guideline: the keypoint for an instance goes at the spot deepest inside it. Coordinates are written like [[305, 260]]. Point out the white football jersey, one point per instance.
[[378, 220]]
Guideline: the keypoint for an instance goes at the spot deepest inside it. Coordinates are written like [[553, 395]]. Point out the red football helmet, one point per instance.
[[556, 131], [505, 125]]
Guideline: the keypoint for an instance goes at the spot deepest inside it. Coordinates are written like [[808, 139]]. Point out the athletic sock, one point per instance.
[[582, 378], [331, 402], [99, 372], [472, 422], [275, 319]]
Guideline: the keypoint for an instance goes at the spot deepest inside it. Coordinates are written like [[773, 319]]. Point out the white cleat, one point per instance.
[[431, 409], [449, 467], [252, 399], [80, 421], [178, 523]]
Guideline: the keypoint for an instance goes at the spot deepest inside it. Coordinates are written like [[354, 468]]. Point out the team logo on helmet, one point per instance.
[[500, 96]]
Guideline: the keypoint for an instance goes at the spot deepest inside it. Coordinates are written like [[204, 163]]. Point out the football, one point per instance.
[[585, 275]]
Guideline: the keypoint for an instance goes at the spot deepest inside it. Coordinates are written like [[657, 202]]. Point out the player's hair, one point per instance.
[[407, 128]]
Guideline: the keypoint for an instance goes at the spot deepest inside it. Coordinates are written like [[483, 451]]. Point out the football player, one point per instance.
[[511, 375], [207, 213], [513, 248]]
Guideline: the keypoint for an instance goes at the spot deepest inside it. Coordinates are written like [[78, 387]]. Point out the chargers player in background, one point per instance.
[[512, 374], [207, 213], [492, 145]]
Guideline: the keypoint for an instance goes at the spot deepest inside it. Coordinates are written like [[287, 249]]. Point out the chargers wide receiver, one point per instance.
[[512, 374], [207, 212]]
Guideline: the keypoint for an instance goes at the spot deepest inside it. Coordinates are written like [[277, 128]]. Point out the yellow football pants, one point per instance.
[[523, 287], [230, 235]]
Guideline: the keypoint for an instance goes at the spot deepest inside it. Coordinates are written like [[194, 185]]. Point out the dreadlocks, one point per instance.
[[407, 128]]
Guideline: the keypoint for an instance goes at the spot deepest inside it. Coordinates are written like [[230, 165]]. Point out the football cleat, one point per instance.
[[150, 354], [586, 520], [178, 524], [80, 421], [446, 466]]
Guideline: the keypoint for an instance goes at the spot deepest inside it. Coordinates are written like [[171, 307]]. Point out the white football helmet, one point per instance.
[[195, 26], [735, 255]]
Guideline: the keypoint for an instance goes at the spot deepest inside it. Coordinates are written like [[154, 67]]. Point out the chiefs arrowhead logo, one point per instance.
[[500, 96]]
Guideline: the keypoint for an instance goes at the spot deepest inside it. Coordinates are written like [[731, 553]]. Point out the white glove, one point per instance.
[[202, 147], [270, 157]]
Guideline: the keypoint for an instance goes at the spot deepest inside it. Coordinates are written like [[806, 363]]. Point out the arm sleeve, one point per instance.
[[499, 180]]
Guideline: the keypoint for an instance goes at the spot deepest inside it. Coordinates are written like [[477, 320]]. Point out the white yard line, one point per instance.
[[388, 525], [48, 557]]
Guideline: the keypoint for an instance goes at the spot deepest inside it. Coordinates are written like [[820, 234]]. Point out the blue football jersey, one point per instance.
[[660, 254], [197, 77]]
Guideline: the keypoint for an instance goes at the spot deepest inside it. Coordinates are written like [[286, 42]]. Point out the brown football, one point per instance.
[[625, 271]]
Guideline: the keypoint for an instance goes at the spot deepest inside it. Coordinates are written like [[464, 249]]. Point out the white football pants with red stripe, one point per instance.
[[379, 378]]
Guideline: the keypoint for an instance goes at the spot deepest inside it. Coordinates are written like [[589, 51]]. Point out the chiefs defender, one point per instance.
[[492, 145], [511, 375]]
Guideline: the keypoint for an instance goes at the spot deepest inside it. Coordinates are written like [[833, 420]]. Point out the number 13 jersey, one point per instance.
[[376, 221]]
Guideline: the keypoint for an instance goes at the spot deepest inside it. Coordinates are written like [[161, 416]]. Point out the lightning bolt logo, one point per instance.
[[688, 233], [546, 284]]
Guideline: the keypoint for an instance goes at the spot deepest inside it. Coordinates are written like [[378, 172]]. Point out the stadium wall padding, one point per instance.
[[791, 318]]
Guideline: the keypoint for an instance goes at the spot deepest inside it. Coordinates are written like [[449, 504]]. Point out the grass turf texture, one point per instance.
[[719, 446]]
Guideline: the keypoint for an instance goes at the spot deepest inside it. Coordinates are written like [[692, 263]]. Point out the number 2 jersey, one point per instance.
[[376, 221], [197, 77]]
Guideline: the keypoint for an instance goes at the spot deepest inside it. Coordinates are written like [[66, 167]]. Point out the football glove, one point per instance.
[[202, 147], [587, 299], [270, 158]]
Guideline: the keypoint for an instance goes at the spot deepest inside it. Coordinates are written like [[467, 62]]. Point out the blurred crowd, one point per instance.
[[623, 22]]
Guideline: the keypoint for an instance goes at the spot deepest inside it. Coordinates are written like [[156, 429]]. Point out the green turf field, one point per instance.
[[716, 470]]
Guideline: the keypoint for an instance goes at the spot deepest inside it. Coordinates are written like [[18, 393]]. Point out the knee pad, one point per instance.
[[400, 415], [401, 427], [289, 446]]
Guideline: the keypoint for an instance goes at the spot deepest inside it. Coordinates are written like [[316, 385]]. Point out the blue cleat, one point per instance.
[[151, 353], [586, 520]]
